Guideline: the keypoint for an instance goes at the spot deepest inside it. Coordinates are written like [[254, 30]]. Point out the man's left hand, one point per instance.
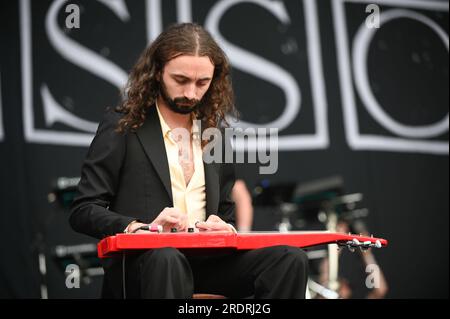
[[214, 223]]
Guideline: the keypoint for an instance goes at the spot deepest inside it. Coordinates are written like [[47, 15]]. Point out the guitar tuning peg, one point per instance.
[[356, 242], [378, 244], [351, 249]]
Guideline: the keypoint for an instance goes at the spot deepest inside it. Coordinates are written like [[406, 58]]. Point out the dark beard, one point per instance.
[[180, 105]]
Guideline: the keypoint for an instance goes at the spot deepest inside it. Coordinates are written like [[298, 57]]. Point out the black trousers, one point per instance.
[[272, 272]]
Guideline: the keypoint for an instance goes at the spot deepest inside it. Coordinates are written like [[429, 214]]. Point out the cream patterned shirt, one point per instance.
[[188, 184]]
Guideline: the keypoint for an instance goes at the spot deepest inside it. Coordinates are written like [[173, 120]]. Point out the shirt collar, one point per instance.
[[195, 130], [164, 127]]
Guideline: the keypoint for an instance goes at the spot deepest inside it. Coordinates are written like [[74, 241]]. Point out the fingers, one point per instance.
[[214, 219], [213, 226], [171, 217], [171, 220], [213, 223], [133, 227], [202, 226]]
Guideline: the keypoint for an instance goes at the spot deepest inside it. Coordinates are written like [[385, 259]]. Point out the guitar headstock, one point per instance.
[[362, 242]]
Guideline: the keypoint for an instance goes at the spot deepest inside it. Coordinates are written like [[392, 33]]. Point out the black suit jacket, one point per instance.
[[126, 177]]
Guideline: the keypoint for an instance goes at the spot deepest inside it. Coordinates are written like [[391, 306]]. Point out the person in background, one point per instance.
[[244, 207]]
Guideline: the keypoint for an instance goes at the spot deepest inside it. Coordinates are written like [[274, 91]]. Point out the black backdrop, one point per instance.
[[292, 55]]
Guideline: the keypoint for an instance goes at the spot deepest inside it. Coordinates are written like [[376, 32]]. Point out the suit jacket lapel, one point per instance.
[[150, 136], [212, 184], [212, 188]]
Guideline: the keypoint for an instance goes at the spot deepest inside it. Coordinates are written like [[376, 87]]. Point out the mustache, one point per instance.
[[185, 102]]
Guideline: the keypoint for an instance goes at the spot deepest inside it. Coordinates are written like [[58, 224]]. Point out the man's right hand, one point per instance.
[[171, 217]]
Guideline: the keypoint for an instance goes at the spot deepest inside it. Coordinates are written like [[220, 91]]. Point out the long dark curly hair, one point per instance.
[[143, 87]]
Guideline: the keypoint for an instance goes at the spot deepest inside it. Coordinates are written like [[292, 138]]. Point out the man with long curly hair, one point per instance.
[[141, 169]]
